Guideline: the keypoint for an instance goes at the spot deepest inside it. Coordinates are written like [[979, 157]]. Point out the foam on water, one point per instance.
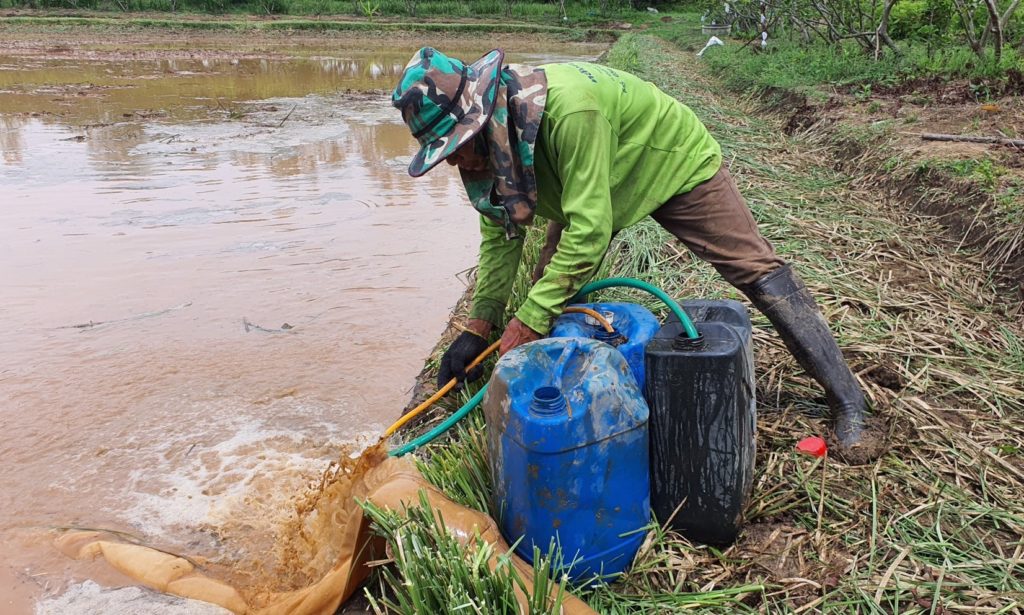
[[244, 477], [88, 598]]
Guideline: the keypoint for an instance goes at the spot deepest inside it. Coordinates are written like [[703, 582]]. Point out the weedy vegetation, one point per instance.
[[817, 65], [434, 573]]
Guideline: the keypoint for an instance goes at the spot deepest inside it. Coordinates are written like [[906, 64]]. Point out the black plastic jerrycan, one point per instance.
[[702, 421]]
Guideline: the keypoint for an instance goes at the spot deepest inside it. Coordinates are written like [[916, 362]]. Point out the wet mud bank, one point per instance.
[[243, 39], [295, 25], [973, 190]]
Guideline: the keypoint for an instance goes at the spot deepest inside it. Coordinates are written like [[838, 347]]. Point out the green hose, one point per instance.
[[408, 447], [670, 303], [591, 287]]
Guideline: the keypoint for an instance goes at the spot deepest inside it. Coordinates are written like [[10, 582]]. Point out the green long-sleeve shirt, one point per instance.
[[612, 149]]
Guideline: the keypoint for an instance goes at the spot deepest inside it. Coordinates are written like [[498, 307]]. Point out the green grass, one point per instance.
[[458, 466], [434, 573], [848, 68], [1009, 201], [816, 68], [982, 170]]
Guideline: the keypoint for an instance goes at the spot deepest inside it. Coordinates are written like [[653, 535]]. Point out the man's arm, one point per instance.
[[582, 142], [496, 271]]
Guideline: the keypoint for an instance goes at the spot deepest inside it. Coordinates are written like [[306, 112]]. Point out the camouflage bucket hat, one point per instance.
[[444, 102]]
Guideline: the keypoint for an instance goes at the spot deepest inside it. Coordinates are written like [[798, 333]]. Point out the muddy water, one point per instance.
[[215, 273]]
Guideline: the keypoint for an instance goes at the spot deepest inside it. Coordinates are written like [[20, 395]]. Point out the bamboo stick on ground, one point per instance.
[[933, 136]]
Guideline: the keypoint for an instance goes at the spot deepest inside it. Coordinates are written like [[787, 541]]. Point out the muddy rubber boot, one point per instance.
[[783, 298]]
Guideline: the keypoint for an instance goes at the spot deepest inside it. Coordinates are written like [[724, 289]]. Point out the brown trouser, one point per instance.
[[714, 222]]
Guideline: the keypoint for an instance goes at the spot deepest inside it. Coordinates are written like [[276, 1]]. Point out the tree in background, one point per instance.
[[974, 13], [983, 24], [865, 22]]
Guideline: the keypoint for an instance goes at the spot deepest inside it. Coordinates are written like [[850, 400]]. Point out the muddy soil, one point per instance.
[[85, 43], [975, 189], [875, 442]]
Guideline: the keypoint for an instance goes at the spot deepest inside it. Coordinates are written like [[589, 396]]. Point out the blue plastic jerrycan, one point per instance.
[[567, 437], [634, 326]]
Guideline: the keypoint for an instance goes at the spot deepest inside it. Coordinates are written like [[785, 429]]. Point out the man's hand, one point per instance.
[[461, 353], [516, 334]]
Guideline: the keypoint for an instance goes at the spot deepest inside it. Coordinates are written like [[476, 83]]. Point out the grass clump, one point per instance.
[[434, 573], [982, 170], [459, 467]]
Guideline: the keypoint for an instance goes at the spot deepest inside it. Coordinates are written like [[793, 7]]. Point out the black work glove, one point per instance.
[[461, 353]]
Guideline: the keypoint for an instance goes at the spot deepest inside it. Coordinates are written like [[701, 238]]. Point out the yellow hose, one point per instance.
[[593, 314], [405, 418], [408, 416]]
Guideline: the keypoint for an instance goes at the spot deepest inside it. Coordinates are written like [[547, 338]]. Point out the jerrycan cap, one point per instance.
[[593, 322], [547, 401], [813, 445], [684, 342]]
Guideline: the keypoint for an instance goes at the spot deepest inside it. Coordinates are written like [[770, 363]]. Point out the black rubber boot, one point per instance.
[[783, 298]]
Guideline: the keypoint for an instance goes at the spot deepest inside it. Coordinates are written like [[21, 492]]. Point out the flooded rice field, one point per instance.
[[216, 274]]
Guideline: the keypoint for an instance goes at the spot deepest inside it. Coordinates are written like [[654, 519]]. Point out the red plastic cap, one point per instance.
[[812, 446]]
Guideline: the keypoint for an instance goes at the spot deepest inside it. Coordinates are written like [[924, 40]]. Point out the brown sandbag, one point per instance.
[[390, 483], [155, 569]]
